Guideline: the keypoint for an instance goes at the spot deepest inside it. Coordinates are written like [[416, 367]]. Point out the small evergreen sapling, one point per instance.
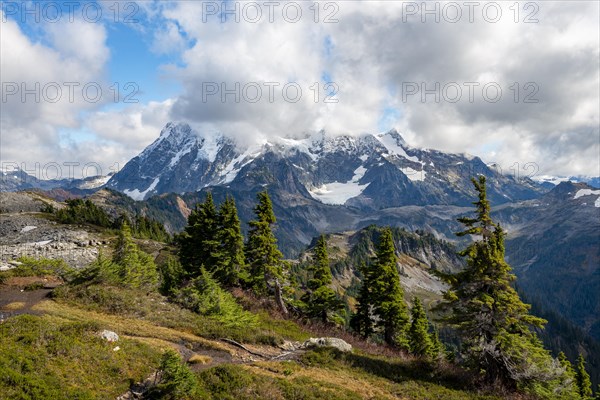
[[419, 339]]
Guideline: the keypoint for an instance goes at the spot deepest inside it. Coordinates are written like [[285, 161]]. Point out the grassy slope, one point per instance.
[[59, 355]]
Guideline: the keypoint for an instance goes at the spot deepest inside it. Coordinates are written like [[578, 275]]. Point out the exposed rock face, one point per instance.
[[180, 160], [554, 246], [336, 343], [26, 232]]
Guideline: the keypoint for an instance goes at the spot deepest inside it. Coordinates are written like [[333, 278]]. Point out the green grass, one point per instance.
[[39, 267], [152, 307], [59, 355], [50, 358], [234, 382], [327, 374], [411, 378]]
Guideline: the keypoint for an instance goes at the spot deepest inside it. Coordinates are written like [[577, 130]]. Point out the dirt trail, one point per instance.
[[16, 300]]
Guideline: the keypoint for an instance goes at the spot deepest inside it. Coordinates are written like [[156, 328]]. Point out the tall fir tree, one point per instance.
[[265, 261], [198, 243], [381, 300], [229, 259], [362, 321], [582, 378], [492, 321], [419, 339], [321, 300]]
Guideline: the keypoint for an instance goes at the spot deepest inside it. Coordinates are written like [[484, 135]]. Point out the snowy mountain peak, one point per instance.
[[395, 136], [370, 170], [177, 133]]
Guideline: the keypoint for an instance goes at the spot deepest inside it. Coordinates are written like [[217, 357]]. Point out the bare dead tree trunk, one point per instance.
[[279, 298]]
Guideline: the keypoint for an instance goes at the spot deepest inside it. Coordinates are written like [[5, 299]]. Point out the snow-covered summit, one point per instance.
[[372, 170]]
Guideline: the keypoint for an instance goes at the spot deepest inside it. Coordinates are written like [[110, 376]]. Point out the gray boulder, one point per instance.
[[109, 336], [339, 344]]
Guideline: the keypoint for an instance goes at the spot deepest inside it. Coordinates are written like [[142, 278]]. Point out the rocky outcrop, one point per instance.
[[109, 336], [25, 231], [336, 343]]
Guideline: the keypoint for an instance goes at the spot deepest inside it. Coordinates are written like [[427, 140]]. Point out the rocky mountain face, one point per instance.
[[554, 247], [366, 172], [549, 181], [178, 161], [419, 253], [318, 184]]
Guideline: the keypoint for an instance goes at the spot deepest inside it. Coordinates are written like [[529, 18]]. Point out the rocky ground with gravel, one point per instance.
[[26, 231]]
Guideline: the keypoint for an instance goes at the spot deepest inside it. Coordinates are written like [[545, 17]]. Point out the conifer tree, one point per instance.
[[390, 306], [381, 301], [568, 377], [321, 299], [175, 379], [171, 274], [264, 259], [198, 243], [188, 243], [205, 296], [439, 350], [133, 267], [230, 263], [493, 322], [419, 340], [566, 364], [582, 378], [362, 321]]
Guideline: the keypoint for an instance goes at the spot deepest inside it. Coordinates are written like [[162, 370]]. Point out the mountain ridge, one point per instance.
[[338, 170]]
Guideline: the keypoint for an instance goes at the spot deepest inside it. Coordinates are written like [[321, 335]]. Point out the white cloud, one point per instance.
[[168, 39], [31, 125], [132, 128], [373, 53]]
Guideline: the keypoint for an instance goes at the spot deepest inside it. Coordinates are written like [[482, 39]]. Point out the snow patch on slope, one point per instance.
[[588, 192], [413, 174], [137, 195], [585, 192], [95, 182], [302, 145], [555, 180], [338, 193], [391, 144], [234, 167], [188, 147], [210, 147]]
